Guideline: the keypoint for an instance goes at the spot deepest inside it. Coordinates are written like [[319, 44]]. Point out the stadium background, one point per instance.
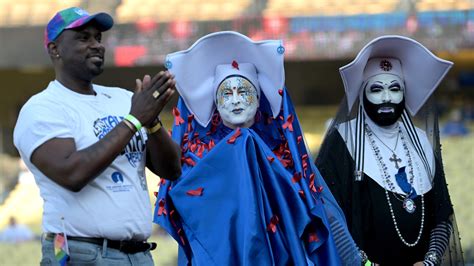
[[319, 37]]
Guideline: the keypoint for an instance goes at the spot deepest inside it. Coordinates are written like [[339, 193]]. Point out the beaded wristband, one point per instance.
[[364, 258], [432, 257], [134, 121]]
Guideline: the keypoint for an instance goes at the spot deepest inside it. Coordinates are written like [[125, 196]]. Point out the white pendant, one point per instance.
[[409, 205]]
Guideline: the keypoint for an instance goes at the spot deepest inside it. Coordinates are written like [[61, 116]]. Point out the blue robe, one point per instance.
[[252, 199]]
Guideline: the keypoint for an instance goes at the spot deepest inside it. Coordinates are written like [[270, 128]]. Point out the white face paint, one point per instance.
[[384, 88], [237, 102]]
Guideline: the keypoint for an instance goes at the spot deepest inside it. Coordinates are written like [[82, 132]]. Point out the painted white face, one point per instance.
[[237, 102], [384, 88]]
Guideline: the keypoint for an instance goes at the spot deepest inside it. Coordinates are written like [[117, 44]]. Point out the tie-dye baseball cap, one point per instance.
[[71, 18]]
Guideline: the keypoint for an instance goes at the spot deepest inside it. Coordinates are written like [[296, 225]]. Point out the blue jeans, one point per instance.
[[83, 253]]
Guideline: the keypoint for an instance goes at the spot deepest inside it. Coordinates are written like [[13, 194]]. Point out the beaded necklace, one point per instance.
[[389, 183], [410, 168]]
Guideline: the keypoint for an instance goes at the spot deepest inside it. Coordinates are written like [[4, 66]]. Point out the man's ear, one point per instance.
[[53, 50]]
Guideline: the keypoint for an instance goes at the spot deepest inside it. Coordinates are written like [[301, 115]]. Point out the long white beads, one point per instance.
[[383, 168], [396, 225]]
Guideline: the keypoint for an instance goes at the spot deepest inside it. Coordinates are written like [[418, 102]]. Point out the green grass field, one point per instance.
[[458, 156]]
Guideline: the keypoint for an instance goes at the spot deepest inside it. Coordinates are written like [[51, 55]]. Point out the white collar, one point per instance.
[[422, 183]]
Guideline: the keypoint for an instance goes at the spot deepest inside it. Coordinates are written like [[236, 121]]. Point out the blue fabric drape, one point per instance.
[[250, 196]]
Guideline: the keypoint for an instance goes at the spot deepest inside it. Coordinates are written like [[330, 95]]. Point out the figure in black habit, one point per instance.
[[381, 156]]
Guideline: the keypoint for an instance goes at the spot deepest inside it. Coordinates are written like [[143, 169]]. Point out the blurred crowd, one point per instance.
[[16, 233]]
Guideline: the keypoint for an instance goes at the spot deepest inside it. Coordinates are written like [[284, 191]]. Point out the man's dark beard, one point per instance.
[[383, 119]]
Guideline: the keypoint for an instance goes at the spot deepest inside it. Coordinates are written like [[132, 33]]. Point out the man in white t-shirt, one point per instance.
[[87, 149]]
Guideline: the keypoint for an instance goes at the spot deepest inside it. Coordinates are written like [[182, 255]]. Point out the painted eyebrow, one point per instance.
[[376, 85], [394, 81], [224, 89]]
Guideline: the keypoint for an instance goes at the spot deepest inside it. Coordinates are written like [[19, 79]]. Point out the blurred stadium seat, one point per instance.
[[435, 5], [30, 12], [163, 11], [328, 7]]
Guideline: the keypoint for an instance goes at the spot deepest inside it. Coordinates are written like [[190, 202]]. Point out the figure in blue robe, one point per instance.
[[247, 195], [251, 196]]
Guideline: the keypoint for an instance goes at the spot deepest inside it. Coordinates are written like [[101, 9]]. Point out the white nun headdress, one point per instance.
[[195, 69], [422, 71]]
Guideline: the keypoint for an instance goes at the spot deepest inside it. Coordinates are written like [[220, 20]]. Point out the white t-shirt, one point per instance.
[[115, 205]]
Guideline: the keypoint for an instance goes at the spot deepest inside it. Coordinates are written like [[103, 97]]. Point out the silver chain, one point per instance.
[[396, 142]]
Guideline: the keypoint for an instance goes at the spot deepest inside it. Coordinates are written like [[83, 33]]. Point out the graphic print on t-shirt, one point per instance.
[[118, 185], [134, 150], [117, 177]]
